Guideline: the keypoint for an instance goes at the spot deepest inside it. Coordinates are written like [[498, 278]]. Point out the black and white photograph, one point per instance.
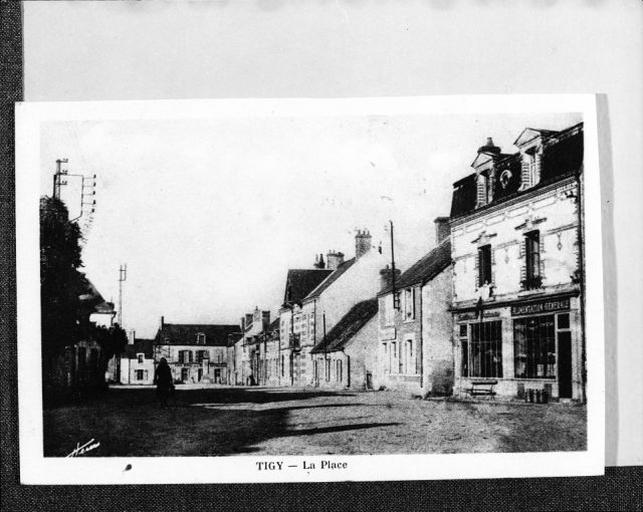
[[297, 286]]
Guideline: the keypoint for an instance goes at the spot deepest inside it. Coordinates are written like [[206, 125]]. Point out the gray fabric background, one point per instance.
[[620, 488]]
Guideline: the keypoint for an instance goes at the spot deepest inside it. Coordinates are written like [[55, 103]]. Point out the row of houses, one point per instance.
[[497, 302]]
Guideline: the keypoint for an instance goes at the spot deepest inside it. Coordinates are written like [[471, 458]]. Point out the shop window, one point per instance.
[[484, 265], [184, 374], [535, 347], [484, 350]]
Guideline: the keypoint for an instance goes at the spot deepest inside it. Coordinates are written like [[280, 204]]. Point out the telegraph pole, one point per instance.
[[87, 188], [396, 298], [122, 277], [57, 177]]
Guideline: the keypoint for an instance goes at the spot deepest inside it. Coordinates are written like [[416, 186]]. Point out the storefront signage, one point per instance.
[[475, 316], [540, 307]]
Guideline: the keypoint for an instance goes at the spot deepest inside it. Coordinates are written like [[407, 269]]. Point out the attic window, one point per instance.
[[200, 338], [482, 195], [530, 168]]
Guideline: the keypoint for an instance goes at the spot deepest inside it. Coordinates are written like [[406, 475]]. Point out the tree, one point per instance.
[[60, 258]]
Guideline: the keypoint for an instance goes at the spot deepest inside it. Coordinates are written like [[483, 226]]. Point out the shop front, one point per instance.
[[521, 349]]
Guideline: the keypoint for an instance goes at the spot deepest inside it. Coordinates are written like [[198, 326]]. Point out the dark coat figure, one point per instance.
[[163, 381]]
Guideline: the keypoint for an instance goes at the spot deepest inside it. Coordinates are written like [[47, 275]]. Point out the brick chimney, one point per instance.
[[334, 259], [319, 261], [442, 229], [362, 243], [386, 276]]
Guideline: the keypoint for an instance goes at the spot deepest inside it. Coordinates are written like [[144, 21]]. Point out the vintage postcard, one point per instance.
[[283, 290]]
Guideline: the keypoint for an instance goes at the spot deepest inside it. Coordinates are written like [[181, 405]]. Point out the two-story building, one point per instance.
[[299, 283], [517, 245], [253, 326], [415, 323], [137, 362], [350, 282], [195, 352]]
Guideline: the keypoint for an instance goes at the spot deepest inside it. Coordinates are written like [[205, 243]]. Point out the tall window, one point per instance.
[[532, 260], [535, 347], [327, 368], [408, 366], [393, 354], [484, 265], [338, 370], [483, 351], [409, 304]]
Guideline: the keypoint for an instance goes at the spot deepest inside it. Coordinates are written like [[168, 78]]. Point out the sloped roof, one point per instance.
[[426, 268], [234, 338], [336, 274], [300, 282], [140, 345], [563, 157], [347, 327], [186, 334]]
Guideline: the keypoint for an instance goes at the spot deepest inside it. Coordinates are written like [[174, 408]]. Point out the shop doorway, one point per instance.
[[564, 364]]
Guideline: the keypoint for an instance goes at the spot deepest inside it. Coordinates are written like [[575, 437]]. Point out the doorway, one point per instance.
[[564, 364]]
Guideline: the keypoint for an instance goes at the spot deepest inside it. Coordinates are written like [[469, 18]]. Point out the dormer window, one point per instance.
[[200, 338], [482, 196]]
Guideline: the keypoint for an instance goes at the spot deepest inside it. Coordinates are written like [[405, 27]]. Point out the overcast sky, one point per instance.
[[209, 214]]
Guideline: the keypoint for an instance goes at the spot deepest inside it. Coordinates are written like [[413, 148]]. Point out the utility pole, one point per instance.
[[87, 189], [122, 277], [396, 296], [57, 177]]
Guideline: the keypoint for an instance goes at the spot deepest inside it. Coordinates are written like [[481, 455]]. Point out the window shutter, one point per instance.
[[476, 270], [493, 265], [525, 181], [541, 248], [537, 168]]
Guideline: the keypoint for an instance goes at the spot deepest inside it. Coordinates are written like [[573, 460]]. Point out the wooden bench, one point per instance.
[[482, 387]]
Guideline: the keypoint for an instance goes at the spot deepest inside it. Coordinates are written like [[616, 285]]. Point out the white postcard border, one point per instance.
[[36, 469]]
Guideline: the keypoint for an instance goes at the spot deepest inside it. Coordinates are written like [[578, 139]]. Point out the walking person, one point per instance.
[[163, 381]]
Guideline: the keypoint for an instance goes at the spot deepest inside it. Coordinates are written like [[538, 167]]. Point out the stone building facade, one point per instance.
[[517, 242], [351, 281], [346, 358], [196, 353], [415, 352]]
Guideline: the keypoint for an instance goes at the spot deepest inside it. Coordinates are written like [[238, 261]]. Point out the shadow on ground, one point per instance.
[[130, 422]]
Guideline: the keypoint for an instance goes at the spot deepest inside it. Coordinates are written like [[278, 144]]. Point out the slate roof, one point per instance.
[[140, 345], [186, 334], [347, 327], [336, 274], [234, 338], [561, 159], [426, 268], [300, 282]]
